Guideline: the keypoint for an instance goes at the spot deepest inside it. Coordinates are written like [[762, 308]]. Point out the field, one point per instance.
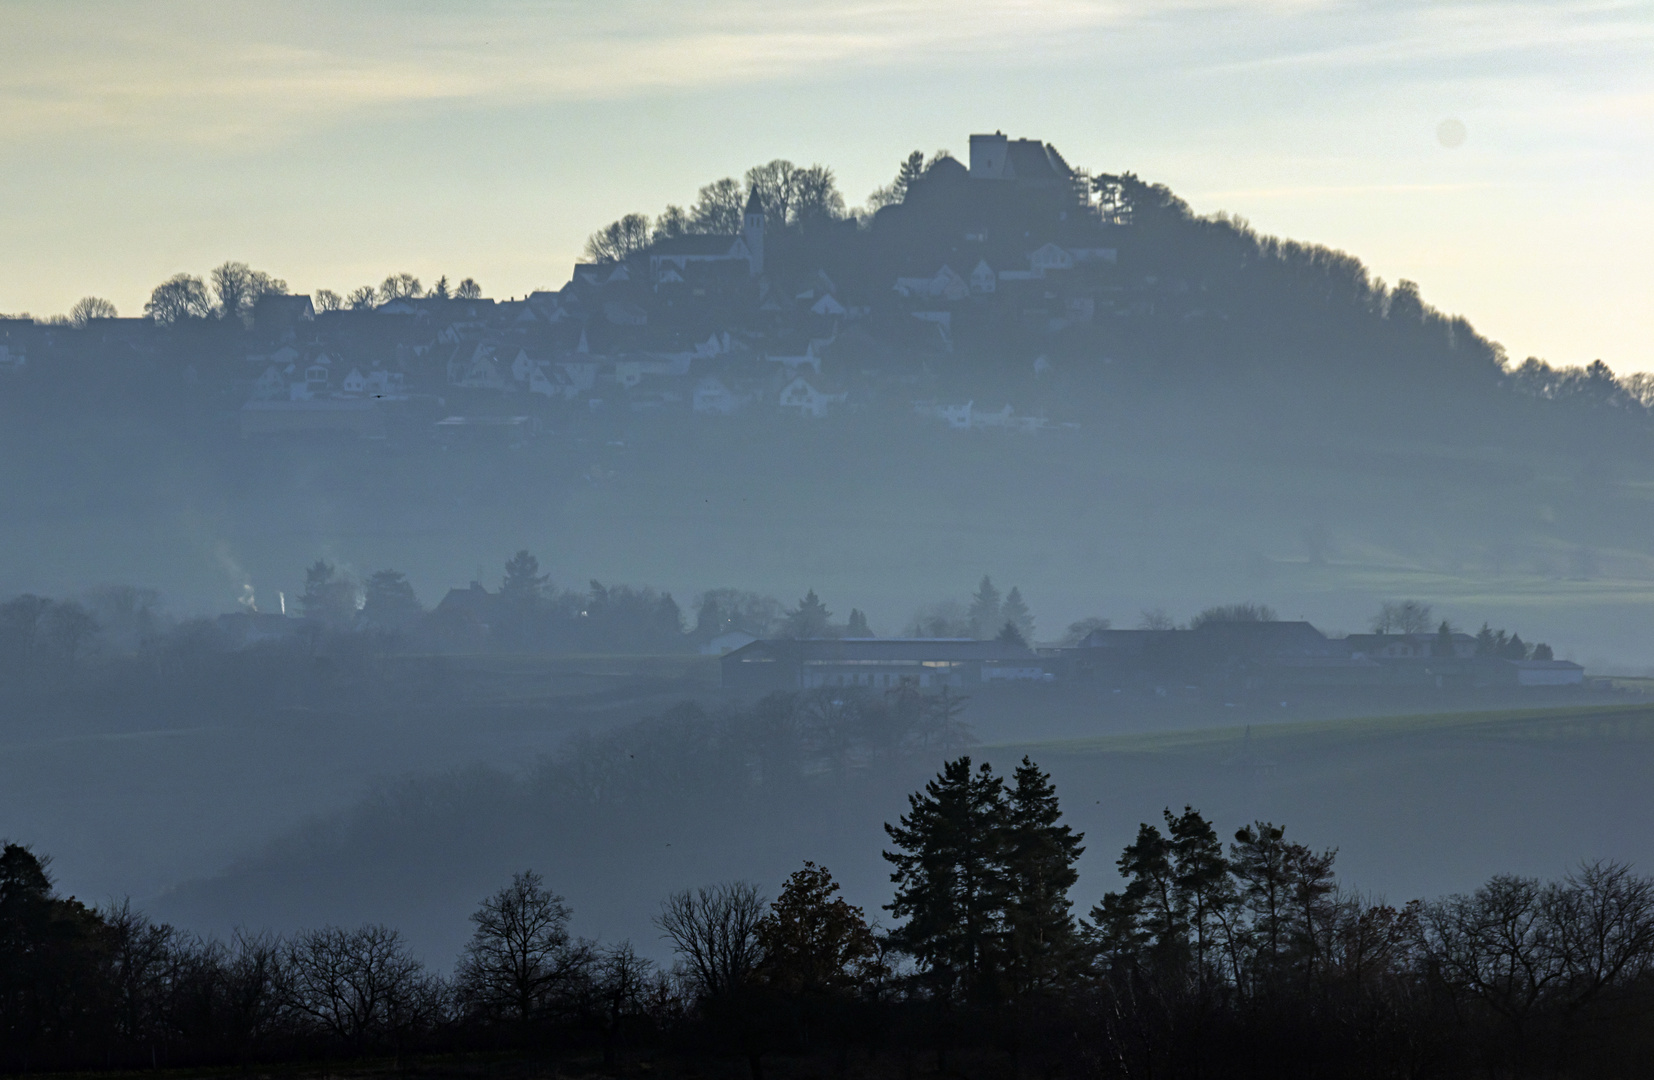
[[1417, 805]]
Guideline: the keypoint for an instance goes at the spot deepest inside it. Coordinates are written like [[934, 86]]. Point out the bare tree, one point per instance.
[[1234, 613], [68, 627], [1155, 619], [468, 290], [181, 296], [138, 961], [361, 299], [22, 625], [399, 287], [672, 223], [239, 287], [718, 208], [520, 959], [1403, 617], [88, 308], [815, 195], [623, 979], [619, 240], [1604, 918], [715, 932], [774, 185], [255, 984], [360, 985], [328, 300]]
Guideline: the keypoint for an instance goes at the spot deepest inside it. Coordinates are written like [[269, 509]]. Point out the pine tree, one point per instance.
[[523, 585], [950, 880], [1145, 917], [1039, 870], [1015, 611], [1444, 642], [857, 626], [389, 601], [1010, 635], [1259, 860], [809, 619], [985, 614], [1205, 893]]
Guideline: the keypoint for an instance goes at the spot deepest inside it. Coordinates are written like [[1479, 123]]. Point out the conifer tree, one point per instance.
[[1144, 918], [809, 619], [1010, 635], [1259, 860], [1040, 855], [389, 601], [985, 614], [1205, 892], [523, 584], [1015, 611], [950, 879]]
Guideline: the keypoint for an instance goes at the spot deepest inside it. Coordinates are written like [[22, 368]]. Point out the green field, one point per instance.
[[1417, 805]]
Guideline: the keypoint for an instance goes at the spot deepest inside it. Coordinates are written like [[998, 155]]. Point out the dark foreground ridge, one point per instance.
[[1214, 959]]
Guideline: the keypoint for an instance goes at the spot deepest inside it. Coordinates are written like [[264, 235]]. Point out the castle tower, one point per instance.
[[752, 232]]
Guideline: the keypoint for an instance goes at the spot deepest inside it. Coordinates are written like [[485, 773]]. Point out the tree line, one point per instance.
[[233, 289], [1211, 959]]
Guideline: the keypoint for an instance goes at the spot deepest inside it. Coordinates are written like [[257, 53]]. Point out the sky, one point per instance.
[[1500, 154]]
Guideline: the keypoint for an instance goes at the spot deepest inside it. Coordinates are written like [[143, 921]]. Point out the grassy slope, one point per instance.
[[1417, 805]]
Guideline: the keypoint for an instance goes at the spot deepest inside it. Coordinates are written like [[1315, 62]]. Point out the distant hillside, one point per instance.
[[1007, 366]]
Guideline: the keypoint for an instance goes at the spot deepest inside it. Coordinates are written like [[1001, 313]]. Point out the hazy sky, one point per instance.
[[333, 143]]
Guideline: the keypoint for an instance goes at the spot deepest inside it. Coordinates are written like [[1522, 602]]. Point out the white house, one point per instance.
[[354, 383], [983, 278], [806, 399], [522, 366], [945, 284], [384, 384], [712, 397], [829, 305], [483, 373], [582, 374], [549, 383], [1049, 257]]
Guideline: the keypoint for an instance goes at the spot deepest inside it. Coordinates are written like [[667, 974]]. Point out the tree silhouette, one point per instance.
[[809, 619], [813, 941], [178, 298], [985, 610], [521, 962], [1040, 857], [950, 879]]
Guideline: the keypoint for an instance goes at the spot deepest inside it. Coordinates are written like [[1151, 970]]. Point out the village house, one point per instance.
[[804, 399]]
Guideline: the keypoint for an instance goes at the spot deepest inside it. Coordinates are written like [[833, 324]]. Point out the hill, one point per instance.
[[1131, 407]]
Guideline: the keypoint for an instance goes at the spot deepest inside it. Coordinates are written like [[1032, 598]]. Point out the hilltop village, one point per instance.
[[793, 308]]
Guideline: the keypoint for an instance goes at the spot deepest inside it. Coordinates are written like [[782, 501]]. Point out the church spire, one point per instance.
[[752, 232]]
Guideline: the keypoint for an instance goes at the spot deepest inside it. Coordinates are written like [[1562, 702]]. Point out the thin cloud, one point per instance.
[[199, 72]]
